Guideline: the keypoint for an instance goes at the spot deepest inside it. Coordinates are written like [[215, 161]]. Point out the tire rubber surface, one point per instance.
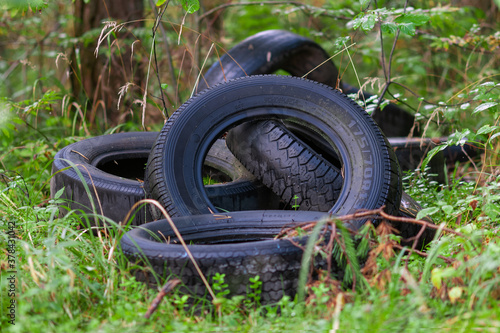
[[263, 151], [239, 245], [372, 177], [272, 50], [269, 51], [98, 191], [112, 168], [282, 162]]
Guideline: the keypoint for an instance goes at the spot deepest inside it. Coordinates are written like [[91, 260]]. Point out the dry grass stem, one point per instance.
[[167, 288]]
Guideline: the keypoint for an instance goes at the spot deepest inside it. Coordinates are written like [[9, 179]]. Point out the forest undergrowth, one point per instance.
[[437, 60]]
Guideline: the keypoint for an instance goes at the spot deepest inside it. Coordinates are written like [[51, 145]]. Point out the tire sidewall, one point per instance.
[[341, 122]]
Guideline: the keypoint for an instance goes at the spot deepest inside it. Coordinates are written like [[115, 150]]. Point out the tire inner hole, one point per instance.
[[220, 237], [133, 168]]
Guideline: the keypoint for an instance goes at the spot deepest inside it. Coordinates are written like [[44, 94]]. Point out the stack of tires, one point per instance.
[[284, 150]]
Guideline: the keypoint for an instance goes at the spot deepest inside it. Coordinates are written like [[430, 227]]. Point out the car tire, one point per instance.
[[372, 177], [272, 50], [112, 168], [239, 245]]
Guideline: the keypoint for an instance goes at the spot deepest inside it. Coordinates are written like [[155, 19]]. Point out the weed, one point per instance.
[[441, 65], [295, 202]]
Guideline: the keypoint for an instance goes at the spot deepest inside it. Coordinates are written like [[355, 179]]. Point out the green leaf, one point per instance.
[[447, 209], [484, 106], [389, 27], [407, 22], [436, 277], [487, 84], [365, 21], [368, 22], [24, 4], [59, 193], [341, 41], [427, 211], [356, 23], [492, 210], [164, 86], [190, 6], [407, 28], [486, 129], [431, 154], [160, 2], [455, 293], [414, 19], [494, 136], [457, 138]]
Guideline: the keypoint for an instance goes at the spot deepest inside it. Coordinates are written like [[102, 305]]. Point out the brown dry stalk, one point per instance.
[[291, 231], [168, 287], [177, 234], [423, 254]]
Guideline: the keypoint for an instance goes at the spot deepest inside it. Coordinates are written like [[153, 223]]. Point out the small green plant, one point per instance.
[[320, 293], [295, 199], [254, 294], [219, 286]]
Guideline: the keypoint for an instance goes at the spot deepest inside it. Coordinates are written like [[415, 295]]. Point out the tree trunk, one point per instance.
[[98, 80]]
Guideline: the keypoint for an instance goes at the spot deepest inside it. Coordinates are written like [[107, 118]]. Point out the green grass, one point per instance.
[[68, 279], [71, 279]]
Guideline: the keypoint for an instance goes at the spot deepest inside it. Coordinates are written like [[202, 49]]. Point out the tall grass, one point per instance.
[[71, 279]]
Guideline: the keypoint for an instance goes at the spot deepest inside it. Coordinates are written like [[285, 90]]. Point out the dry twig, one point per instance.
[[168, 287]]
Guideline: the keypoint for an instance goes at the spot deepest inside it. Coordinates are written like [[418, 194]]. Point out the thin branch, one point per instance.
[[167, 50], [155, 28], [414, 246], [423, 254], [302, 5], [415, 221], [387, 73], [167, 288], [382, 53]]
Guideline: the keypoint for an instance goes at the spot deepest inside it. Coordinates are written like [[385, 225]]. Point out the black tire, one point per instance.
[[272, 50], [393, 120], [239, 245], [411, 153], [112, 166], [371, 172], [410, 208], [292, 169], [237, 188], [269, 51], [263, 155], [285, 164]]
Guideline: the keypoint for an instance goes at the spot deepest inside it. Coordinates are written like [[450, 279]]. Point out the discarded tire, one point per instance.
[[263, 153], [100, 175], [239, 245], [112, 168], [371, 172], [237, 189], [288, 166], [410, 208], [271, 50]]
